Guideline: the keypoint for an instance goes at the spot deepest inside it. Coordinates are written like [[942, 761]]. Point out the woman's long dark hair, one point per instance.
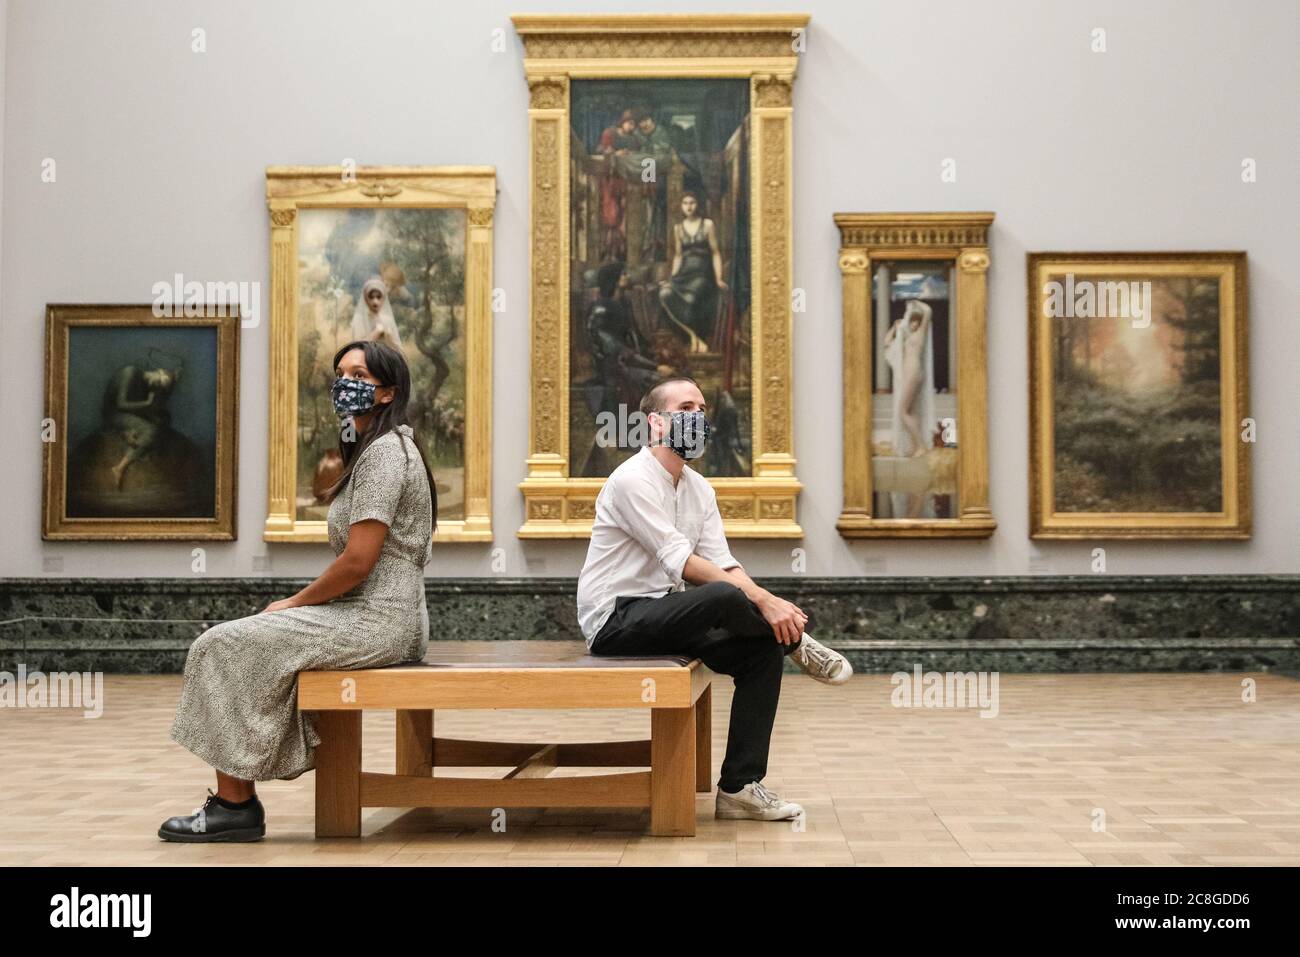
[[388, 365]]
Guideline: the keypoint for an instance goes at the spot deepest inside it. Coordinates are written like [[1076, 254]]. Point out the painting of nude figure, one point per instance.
[[914, 418]]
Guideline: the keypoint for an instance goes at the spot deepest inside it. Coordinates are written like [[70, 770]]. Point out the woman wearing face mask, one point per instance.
[[238, 709]]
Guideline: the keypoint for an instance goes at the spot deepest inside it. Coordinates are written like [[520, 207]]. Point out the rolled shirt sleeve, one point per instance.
[[642, 515], [377, 481], [713, 543]]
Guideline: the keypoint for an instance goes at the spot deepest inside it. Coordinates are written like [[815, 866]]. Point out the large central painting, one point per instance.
[[659, 261], [660, 213]]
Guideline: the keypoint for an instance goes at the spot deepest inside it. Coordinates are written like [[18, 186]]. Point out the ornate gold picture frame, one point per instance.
[[141, 438], [915, 375], [423, 237], [564, 58], [1138, 395]]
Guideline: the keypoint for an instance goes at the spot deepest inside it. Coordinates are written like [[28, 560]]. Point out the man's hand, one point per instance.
[[280, 605], [786, 618]]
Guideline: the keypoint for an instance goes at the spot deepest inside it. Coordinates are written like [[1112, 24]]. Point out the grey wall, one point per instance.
[[161, 153]]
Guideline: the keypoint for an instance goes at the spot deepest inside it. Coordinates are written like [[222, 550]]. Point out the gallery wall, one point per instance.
[[160, 153]]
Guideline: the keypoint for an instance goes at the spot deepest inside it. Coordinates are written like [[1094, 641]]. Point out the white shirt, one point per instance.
[[645, 530]]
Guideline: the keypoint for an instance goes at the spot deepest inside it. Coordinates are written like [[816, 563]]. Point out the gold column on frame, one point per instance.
[[548, 167], [972, 388], [282, 431], [771, 202], [478, 376], [855, 285]]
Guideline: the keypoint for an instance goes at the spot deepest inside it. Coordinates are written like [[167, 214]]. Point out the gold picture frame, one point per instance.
[[761, 49], [1199, 300], [868, 242], [291, 189], [127, 452]]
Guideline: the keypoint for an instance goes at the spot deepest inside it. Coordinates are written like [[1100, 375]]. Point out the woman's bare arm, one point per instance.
[[717, 253], [349, 569]]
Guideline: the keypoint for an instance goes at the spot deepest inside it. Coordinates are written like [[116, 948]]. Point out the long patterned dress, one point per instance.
[[239, 709]]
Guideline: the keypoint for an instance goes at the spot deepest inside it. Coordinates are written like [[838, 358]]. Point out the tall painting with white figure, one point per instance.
[[914, 289], [914, 450]]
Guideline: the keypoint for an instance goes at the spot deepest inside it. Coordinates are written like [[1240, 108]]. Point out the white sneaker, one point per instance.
[[817, 661], [755, 803]]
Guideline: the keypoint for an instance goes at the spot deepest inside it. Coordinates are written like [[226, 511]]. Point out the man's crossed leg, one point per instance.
[[717, 623]]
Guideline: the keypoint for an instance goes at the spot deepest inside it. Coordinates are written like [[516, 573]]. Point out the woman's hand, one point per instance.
[[280, 605]]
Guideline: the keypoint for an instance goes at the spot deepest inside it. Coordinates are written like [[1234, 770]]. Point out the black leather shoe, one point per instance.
[[216, 822]]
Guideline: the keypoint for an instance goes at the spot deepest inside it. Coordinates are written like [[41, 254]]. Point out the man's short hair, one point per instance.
[[653, 400]]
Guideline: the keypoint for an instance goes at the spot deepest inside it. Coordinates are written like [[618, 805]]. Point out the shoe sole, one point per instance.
[[737, 814], [843, 679], [234, 835]]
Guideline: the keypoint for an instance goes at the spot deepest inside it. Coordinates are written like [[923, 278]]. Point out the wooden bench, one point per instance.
[[513, 674]]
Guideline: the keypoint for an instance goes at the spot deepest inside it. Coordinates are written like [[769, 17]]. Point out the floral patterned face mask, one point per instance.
[[352, 396]]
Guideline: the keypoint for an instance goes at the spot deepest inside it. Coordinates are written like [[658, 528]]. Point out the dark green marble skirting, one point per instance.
[[1040, 624]]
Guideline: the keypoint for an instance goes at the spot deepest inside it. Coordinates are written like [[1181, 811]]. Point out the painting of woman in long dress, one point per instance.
[[689, 297]]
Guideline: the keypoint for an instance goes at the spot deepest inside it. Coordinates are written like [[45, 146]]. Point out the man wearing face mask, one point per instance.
[[657, 528]]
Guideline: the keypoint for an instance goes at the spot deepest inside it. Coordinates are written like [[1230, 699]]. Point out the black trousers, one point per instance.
[[718, 624]]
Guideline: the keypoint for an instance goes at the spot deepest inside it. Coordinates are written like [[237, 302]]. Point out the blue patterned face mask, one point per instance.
[[687, 433], [352, 396]]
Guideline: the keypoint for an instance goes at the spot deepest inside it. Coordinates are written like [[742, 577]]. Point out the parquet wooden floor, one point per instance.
[[1168, 769]]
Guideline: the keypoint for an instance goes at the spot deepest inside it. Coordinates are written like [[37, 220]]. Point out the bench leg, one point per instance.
[[338, 774], [704, 741], [672, 772], [415, 743]]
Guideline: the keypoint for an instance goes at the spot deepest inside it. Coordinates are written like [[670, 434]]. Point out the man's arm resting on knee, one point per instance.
[[786, 618]]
